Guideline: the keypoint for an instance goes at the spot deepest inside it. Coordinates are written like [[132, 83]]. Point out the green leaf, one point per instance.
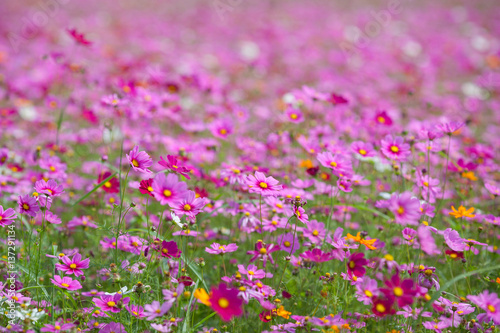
[[195, 271], [185, 327], [94, 189], [203, 320]]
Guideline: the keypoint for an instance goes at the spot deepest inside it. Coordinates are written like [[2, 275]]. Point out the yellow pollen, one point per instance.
[[491, 308], [52, 168], [223, 302], [187, 207], [263, 250], [279, 205], [380, 308], [251, 273], [394, 149], [242, 288], [426, 184], [107, 184], [368, 293], [333, 164], [287, 244], [401, 210], [26, 206], [274, 222], [223, 131], [135, 163], [315, 233], [263, 185], [65, 285], [398, 291], [174, 294], [166, 193], [381, 119], [72, 266], [111, 303], [388, 257], [164, 251], [293, 116], [362, 152], [352, 264], [57, 327]]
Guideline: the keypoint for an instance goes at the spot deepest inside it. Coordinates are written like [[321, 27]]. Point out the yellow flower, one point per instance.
[[202, 296], [469, 175], [282, 312], [461, 212], [306, 164], [366, 242]]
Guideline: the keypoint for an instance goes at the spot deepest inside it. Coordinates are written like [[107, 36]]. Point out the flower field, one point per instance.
[[249, 166]]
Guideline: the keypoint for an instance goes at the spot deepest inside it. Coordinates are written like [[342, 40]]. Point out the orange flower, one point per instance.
[[461, 212], [366, 242], [469, 175], [202, 296], [282, 312]]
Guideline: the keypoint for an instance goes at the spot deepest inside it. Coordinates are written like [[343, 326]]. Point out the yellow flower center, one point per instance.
[[398, 291], [72, 266], [164, 251], [52, 168], [135, 163], [187, 207], [107, 184], [352, 264], [287, 244], [263, 185], [394, 149], [491, 308], [381, 119], [65, 285], [388, 257], [57, 327], [362, 152], [111, 303], [380, 308], [150, 189], [251, 273], [223, 302], [315, 232], [223, 131], [333, 164], [26, 206], [293, 116], [368, 293], [166, 193], [263, 250], [426, 184], [401, 210]]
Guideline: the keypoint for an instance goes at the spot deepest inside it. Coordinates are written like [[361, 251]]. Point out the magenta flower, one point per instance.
[[288, 243], [263, 252], [316, 255], [315, 231], [66, 283], [382, 118], [112, 328], [344, 185], [493, 189], [28, 205], [74, 265], [189, 205], [429, 186], [363, 149], [402, 291], [265, 186], [366, 289], [139, 160], [50, 188], [453, 240], [294, 115], [167, 189], [172, 164], [252, 272], [301, 215], [222, 128], [340, 165], [406, 209], [7, 216], [355, 265], [57, 327], [216, 248], [225, 302], [450, 128], [395, 148], [111, 303], [490, 303], [155, 309], [170, 249]]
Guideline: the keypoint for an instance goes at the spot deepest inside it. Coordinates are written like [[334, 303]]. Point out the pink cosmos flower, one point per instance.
[[139, 160], [28, 205], [252, 272], [493, 188], [429, 186], [294, 115], [363, 149], [340, 165], [167, 189], [301, 215], [316, 255], [216, 248], [112, 328], [222, 128], [156, 309], [225, 302], [111, 303], [490, 303], [172, 164], [453, 240], [366, 289], [170, 249], [7, 216], [344, 185], [74, 265], [265, 186], [189, 205], [263, 252], [395, 148], [356, 262], [406, 209], [402, 291], [451, 127], [50, 188], [57, 327], [66, 283], [382, 118]]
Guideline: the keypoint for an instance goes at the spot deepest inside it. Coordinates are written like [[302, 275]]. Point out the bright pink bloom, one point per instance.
[[382, 118], [265, 186], [301, 215], [395, 148], [57, 327], [74, 265], [172, 164], [225, 302], [28, 205], [490, 303], [170, 249], [189, 205], [252, 272], [355, 265], [66, 283], [50, 188], [111, 303], [155, 309], [402, 291], [7, 216], [140, 161], [216, 248], [340, 165], [263, 252], [167, 189]]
